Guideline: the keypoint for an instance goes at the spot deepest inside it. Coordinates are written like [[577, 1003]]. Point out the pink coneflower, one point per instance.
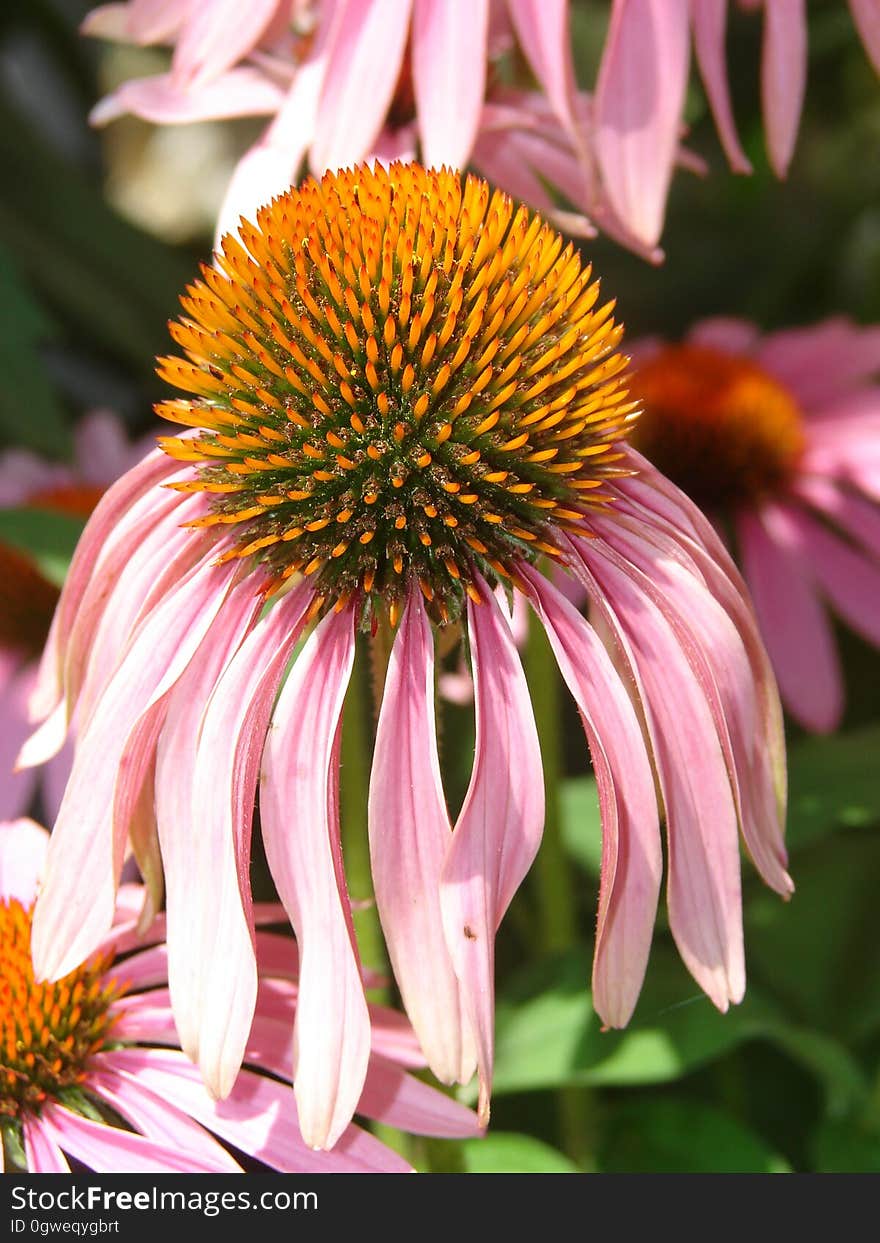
[[779, 437], [101, 454], [405, 392], [97, 1046]]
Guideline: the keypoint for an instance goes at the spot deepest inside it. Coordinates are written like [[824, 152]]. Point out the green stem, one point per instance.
[[354, 786], [557, 906], [557, 909]]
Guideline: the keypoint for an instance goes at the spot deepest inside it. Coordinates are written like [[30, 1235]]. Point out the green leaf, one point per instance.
[[833, 784], [846, 1147], [47, 536], [581, 826], [501, 1153], [671, 1135]]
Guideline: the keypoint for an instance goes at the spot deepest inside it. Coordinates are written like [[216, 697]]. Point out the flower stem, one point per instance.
[[354, 784], [557, 909]]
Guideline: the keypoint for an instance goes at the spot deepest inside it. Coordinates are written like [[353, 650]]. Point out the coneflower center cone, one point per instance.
[[718, 425], [398, 377], [48, 1031]]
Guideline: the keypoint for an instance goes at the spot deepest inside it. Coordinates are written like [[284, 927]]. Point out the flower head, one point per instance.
[[778, 437], [97, 1046], [403, 398]]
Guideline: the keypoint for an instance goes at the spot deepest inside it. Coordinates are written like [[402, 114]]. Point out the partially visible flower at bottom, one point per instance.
[[89, 1070], [405, 394], [101, 453]]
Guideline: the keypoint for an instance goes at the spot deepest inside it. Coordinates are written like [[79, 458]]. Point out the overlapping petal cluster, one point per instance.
[[396, 345], [778, 435], [90, 1069]]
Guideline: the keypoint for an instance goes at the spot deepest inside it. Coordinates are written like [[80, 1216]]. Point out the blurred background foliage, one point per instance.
[[99, 232]]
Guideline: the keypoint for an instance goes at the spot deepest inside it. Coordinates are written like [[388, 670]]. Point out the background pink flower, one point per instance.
[[778, 435], [100, 1044]]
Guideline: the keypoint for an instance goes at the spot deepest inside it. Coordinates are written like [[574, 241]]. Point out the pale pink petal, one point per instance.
[[866, 15], [449, 77], [23, 846], [258, 1117], [110, 1150], [108, 21], [846, 576], [53, 781], [201, 876], [410, 834], [300, 818], [89, 554], [400, 1100], [710, 23], [632, 858], [793, 622], [157, 1119], [705, 912], [640, 95], [783, 77], [270, 166], [241, 92], [542, 29], [42, 1154], [498, 831], [85, 842], [365, 59], [23, 473], [215, 35], [212, 967], [17, 678]]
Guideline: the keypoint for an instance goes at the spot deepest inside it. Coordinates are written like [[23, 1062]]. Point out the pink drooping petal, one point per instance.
[[860, 519], [201, 874], [639, 100], [212, 968], [138, 21], [86, 841], [498, 831], [300, 817], [98, 532], [632, 858], [783, 77], [705, 911], [273, 163], [410, 835], [365, 60], [110, 1150], [41, 1152], [866, 15], [23, 846], [449, 77], [259, 1117], [158, 1120], [241, 92], [400, 1100], [710, 24], [542, 28], [17, 677], [846, 575], [793, 622], [662, 509], [216, 34]]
